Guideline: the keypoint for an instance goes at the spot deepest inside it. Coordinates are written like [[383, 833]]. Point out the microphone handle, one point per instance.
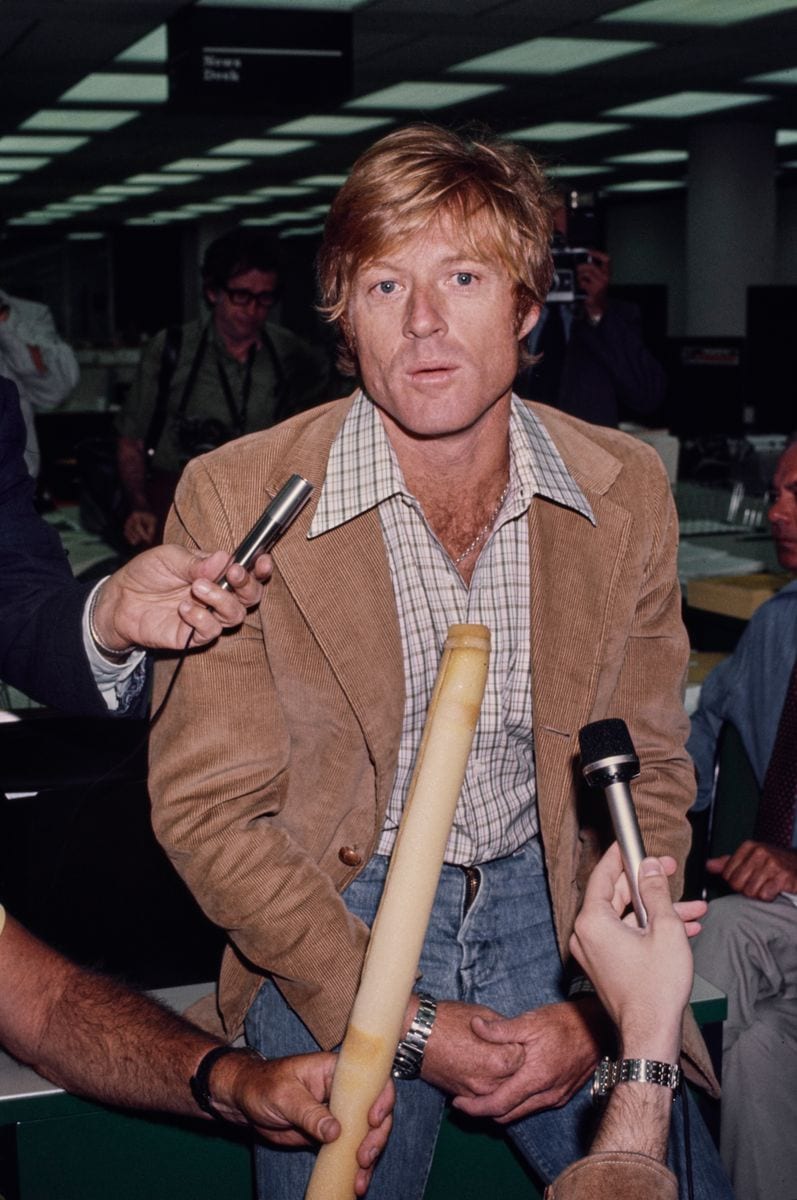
[[629, 838]]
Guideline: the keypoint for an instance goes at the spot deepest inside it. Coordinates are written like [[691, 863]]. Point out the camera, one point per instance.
[[198, 435], [566, 261]]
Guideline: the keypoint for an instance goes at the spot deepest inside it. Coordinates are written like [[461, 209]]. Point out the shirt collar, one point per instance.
[[363, 470]]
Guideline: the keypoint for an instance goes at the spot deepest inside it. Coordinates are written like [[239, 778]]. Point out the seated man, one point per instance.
[[97, 1038], [748, 947]]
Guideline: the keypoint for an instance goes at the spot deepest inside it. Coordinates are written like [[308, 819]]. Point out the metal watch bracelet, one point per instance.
[[634, 1070], [412, 1047]]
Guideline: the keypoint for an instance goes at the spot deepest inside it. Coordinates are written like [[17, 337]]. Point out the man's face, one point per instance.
[[435, 331], [243, 304], [783, 509]]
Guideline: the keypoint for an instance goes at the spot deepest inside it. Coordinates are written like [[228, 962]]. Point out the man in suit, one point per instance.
[[78, 646], [440, 498]]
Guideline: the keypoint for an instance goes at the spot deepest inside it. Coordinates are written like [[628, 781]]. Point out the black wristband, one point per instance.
[[200, 1080]]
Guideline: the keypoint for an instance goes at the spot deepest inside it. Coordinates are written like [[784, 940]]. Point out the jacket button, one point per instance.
[[350, 856]]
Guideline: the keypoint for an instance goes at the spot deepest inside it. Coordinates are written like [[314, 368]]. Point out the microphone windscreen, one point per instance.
[[605, 739]]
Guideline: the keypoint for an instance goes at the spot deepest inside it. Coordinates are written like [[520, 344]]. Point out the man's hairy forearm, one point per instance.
[[637, 1119], [89, 1034]]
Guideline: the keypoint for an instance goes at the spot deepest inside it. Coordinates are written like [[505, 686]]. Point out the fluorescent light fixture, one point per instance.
[[686, 104], [240, 200], [198, 165], [549, 56], [296, 214], [150, 221], [125, 189], [787, 78], [8, 177], [85, 235], [28, 221], [24, 143], [409, 96], [120, 88], [329, 126], [149, 49], [82, 120], [262, 147], [203, 208], [301, 231], [158, 179], [792, 163], [645, 185], [565, 131], [272, 220], [278, 191], [319, 181], [650, 157], [9, 162], [697, 12], [573, 172], [786, 137], [93, 199], [167, 214]]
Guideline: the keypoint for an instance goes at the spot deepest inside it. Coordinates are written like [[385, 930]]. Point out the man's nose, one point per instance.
[[423, 315]]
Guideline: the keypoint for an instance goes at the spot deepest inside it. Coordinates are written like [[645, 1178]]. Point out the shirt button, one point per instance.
[[350, 856]]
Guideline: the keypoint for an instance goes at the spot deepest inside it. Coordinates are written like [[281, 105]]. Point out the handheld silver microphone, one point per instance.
[[286, 505], [609, 761]]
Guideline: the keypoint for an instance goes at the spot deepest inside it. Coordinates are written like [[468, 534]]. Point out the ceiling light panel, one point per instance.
[[786, 137], [79, 120], [697, 12], [572, 172], [686, 104], [126, 189], [24, 143], [24, 162], [278, 191], [262, 147], [564, 131], [550, 56], [201, 165], [319, 181], [149, 49], [169, 177], [645, 185], [317, 5], [329, 126], [8, 177], [120, 88], [650, 157], [786, 78], [409, 96]]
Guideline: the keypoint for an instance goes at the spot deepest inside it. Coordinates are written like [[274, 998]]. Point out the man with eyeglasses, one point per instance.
[[206, 382]]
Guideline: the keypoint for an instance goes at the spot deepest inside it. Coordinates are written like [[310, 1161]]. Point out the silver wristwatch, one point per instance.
[[411, 1048], [634, 1070]]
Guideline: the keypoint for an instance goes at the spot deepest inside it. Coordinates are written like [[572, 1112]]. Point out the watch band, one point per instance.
[[634, 1070], [200, 1080], [412, 1047]]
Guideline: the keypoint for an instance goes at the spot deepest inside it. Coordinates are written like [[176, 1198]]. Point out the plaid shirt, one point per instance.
[[497, 811]]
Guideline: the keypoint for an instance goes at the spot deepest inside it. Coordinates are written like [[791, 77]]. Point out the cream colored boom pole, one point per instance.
[[399, 929]]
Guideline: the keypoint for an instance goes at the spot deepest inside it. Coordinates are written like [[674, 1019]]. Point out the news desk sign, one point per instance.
[[243, 60]]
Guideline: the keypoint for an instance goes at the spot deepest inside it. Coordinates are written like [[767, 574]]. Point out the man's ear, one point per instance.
[[211, 296], [528, 321]]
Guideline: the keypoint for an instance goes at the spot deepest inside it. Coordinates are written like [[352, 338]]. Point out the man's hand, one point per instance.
[[561, 1051], [284, 1099], [756, 870], [459, 1061], [643, 976], [139, 528], [160, 597], [593, 280]]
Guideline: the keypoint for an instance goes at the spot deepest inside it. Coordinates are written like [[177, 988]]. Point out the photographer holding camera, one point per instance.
[[591, 360], [207, 382]]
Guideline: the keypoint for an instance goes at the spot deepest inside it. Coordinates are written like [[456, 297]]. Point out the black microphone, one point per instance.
[[286, 505], [609, 761]]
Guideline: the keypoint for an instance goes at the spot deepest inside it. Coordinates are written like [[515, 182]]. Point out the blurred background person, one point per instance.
[[202, 384]]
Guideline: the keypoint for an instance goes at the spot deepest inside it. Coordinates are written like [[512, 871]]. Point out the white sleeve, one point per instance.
[[112, 679]]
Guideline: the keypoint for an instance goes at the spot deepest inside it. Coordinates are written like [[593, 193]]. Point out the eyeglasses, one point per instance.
[[242, 297]]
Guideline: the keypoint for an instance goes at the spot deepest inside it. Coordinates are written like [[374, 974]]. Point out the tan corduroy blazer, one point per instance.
[[272, 763]]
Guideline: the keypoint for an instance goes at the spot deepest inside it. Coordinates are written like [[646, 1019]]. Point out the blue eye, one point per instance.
[[387, 286], [464, 278]]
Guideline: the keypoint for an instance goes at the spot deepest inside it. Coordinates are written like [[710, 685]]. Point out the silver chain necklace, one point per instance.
[[485, 529]]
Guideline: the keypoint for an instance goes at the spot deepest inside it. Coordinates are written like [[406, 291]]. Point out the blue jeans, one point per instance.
[[502, 953]]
